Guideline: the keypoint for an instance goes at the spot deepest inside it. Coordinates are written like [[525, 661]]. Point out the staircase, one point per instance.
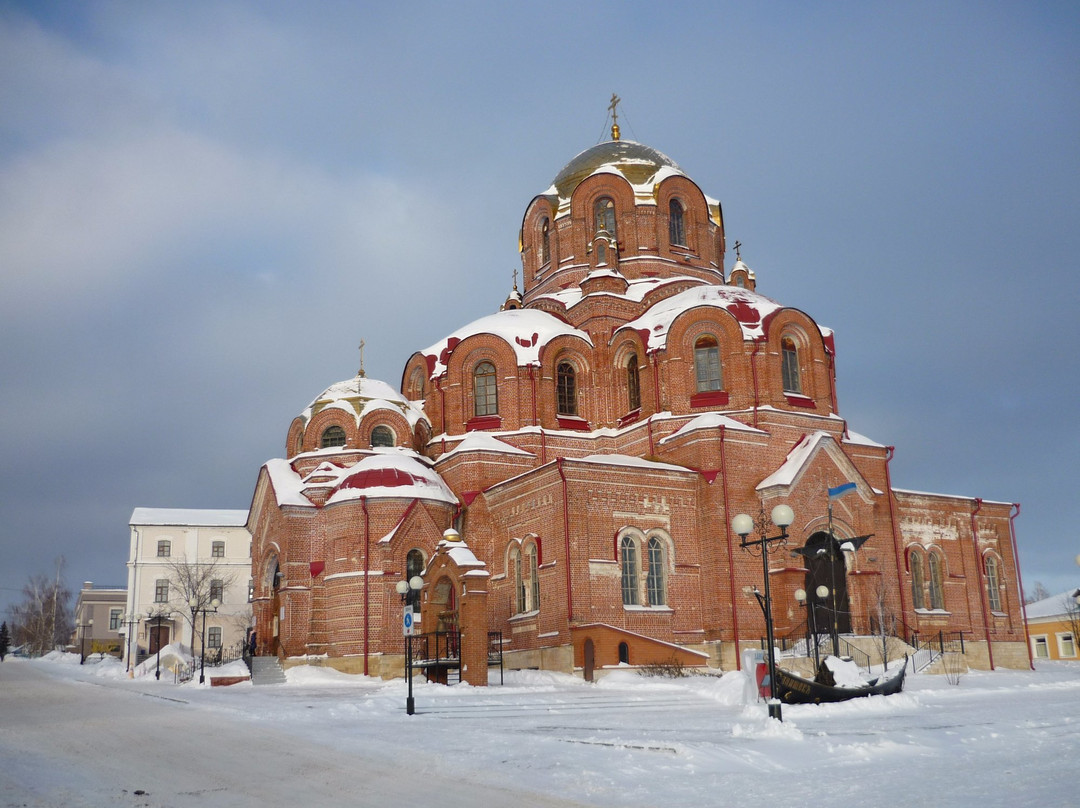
[[266, 670]]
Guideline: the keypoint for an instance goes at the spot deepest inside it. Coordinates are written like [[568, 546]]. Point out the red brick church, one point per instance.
[[562, 474]]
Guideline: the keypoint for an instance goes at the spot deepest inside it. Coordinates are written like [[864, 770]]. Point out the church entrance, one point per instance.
[[159, 638], [825, 567]]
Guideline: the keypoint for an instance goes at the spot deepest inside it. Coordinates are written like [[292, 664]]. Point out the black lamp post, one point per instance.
[[195, 609], [409, 590], [158, 617], [782, 516], [89, 624]]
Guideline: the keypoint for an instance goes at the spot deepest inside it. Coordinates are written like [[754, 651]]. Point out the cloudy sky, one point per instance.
[[204, 207]]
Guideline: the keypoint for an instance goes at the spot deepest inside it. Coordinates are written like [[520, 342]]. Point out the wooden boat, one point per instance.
[[792, 689]]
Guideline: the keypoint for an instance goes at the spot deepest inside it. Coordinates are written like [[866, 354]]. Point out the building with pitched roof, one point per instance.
[[589, 444]]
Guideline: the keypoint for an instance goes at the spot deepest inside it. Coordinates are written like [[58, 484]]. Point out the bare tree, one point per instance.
[[196, 584], [43, 621], [883, 622], [1072, 615], [1040, 592]]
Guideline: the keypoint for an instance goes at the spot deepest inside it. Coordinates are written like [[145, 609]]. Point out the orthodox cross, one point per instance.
[[738, 247], [515, 279], [613, 107], [360, 372]]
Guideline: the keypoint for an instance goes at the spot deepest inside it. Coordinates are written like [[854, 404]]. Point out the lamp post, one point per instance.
[[782, 516], [409, 591], [195, 609], [132, 621], [157, 617], [822, 592], [89, 624]]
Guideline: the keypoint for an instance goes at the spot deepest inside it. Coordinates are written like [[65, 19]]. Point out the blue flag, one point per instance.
[[840, 490]]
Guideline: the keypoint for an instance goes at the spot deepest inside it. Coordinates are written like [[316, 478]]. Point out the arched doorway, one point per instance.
[[825, 567]]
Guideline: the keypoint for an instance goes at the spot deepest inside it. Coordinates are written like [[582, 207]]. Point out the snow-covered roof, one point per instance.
[[710, 420], [630, 460], [1053, 606], [189, 517], [484, 442], [359, 395], [527, 331], [753, 312]]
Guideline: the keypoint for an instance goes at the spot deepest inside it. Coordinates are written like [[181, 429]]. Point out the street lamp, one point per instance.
[[132, 621], [409, 590], [822, 592], [782, 516], [194, 603], [89, 624]]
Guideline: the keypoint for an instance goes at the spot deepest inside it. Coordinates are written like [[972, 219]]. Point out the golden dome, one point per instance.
[[635, 161]]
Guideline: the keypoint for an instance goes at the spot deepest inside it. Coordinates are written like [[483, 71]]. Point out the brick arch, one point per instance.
[[695, 218], [585, 197], [325, 418], [383, 417], [813, 360], [566, 349], [458, 382], [294, 440], [531, 234], [689, 327]]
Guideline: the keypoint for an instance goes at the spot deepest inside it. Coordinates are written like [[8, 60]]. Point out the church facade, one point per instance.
[[562, 474]]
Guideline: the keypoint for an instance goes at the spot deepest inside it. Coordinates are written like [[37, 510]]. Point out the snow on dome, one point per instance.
[[392, 475], [360, 394], [753, 311], [527, 331]]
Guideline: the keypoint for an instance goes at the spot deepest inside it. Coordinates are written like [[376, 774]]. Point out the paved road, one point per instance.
[[70, 743]]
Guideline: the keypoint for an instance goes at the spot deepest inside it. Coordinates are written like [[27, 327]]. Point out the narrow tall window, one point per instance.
[[628, 551], [416, 384], [545, 242], [332, 436], [676, 225], [161, 590], [382, 435], [485, 391], [918, 582], [937, 583], [164, 549], [213, 637], [566, 388], [604, 217], [217, 590], [790, 357], [633, 383], [993, 584], [114, 619], [519, 581], [707, 365], [657, 584], [217, 549], [534, 577]]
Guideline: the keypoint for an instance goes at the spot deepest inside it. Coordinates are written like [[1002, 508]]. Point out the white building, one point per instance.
[[169, 543]]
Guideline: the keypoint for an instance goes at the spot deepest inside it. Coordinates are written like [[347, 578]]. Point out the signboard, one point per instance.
[[408, 623]]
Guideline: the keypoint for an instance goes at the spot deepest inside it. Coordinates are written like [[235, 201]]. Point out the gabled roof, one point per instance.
[[1058, 605], [802, 454]]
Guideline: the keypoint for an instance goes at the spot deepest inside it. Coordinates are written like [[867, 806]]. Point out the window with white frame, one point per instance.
[[485, 390], [628, 554], [217, 549], [918, 582], [115, 616], [519, 580], [657, 576], [164, 548], [707, 371], [161, 590], [937, 582], [1040, 647], [789, 352], [533, 570], [1066, 645], [993, 584]]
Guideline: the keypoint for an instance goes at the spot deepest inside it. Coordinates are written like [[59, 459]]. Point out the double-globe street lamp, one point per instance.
[[409, 590], [158, 617], [782, 516], [196, 607], [802, 597]]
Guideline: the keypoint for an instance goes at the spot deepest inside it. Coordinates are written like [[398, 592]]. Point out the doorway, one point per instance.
[[825, 566]]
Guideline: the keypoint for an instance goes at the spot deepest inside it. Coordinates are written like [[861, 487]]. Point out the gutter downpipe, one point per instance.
[[982, 583], [890, 451], [1019, 580], [656, 383], [731, 564], [367, 580], [566, 537]]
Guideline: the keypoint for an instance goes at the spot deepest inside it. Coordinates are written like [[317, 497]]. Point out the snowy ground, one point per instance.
[[87, 735]]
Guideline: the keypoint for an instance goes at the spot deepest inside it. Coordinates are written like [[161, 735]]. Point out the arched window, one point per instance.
[[533, 569], [633, 383], [628, 551], [566, 389], [332, 436], [993, 584], [485, 391], [416, 384], [545, 242], [383, 436], [604, 217], [657, 580], [707, 365], [519, 580], [918, 582], [676, 225], [624, 654], [790, 357], [414, 565], [937, 583]]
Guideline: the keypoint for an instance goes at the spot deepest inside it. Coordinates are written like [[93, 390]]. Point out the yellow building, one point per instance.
[[1053, 624]]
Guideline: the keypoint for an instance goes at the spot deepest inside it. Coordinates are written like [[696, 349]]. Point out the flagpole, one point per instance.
[[832, 576]]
